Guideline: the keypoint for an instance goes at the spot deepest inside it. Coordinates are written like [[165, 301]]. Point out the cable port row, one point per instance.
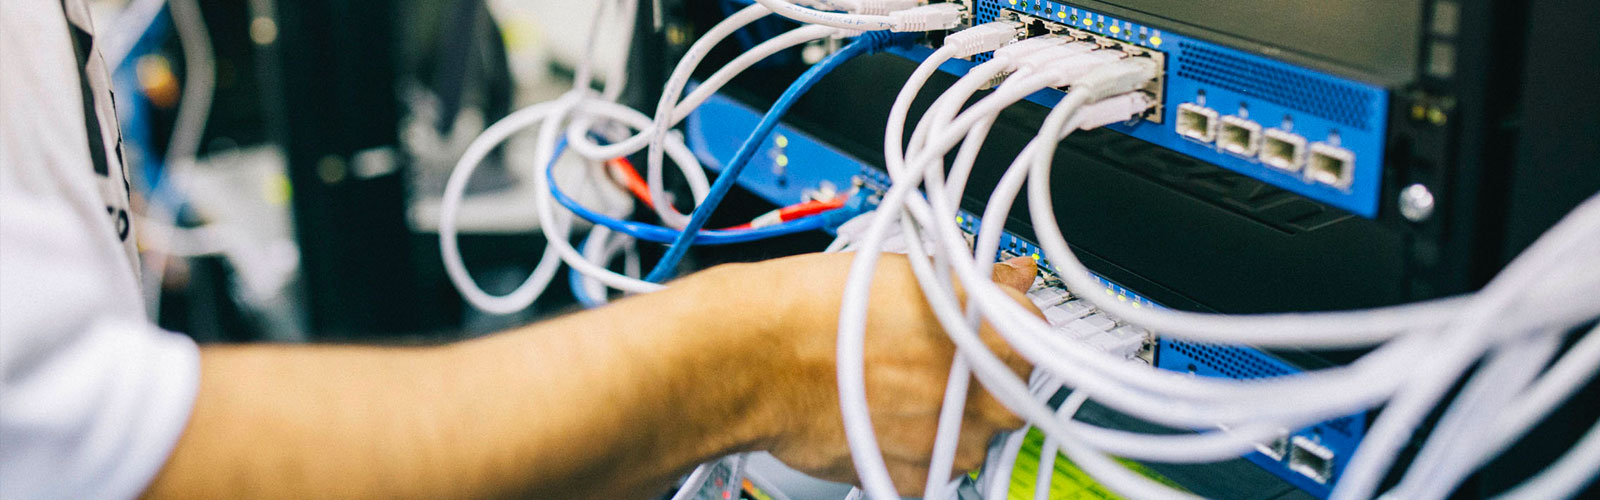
[[1321, 162], [1157, 88]]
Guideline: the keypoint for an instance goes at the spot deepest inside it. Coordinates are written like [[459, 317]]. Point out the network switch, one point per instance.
[[1245, 112], [1313, 464]]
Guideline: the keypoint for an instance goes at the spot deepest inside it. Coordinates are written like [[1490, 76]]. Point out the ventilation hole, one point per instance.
[[1243, 364], [1287, 87]]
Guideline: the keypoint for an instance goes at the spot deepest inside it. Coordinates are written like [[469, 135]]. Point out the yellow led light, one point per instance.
[[1061, 14], [1035, 256], [1123, 298], [1013, 2], [782, 160], [1155, 40], [781, 140], [1136, 305], [1087, 22], [1115, 29], [960, 220], [1109, 292]]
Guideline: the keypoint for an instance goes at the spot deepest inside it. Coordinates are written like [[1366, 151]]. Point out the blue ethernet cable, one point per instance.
[[868, 43], [659, 234]]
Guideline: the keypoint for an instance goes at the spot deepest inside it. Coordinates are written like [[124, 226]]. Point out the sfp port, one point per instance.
[[1282, 150], [1276, 448], [1239, 136], [1311, 459], [1331, 165], [1197, 122]]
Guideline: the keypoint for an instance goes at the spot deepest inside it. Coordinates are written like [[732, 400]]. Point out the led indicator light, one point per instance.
[[1115, 29], [782, 160], [781, 140], [1155, 40]]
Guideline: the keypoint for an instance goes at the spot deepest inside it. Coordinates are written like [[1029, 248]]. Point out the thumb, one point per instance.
[[1017, 272]]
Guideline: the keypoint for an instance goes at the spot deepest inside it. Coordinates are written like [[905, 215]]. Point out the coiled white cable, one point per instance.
[[1412, 327]]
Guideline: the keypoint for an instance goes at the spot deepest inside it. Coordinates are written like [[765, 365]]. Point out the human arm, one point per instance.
[[609, 403]]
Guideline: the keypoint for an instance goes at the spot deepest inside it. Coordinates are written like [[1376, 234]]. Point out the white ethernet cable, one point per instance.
[[1032, 75], [985, 365], [994, 236], [669, 95], [1563, 479], [670, 111], [1442, 305], [1508, 370], [600, 247], [869, 462], [455, 189], [965, 43], [939, 16], [1036, 211], [555, 227], [1109, 472], [1051, 448], [956, 388], [869, 7], [998, 479], [1101, 120], [1413, 334], [668, 115]]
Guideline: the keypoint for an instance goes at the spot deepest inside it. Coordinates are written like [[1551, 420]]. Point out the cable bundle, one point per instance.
[[602, 131], [1511, 331]]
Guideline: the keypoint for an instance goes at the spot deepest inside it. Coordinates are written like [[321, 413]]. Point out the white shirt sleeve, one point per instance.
[[92, 396]]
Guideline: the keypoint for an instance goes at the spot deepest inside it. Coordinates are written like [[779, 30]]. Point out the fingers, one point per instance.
[[1016, 273]]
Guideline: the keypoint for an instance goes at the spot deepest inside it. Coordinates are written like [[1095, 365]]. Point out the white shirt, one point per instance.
[[92, 396]]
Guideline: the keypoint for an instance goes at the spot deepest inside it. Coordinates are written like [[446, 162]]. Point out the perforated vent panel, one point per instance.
[[1231, 362], [987, 11], [1245, 364], [1281, 85]]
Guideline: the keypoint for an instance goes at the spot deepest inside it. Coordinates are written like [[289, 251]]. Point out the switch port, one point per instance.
[[1282, 150], [1331, 165], [1239, 136], [1197, 122], [1311, 459], [1276, 448]]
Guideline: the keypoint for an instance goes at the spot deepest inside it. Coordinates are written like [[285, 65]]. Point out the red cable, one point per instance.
[[630, 178]]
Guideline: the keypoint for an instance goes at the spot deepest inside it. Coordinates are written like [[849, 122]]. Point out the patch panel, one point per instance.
[[1309, 458], [1242, 111]]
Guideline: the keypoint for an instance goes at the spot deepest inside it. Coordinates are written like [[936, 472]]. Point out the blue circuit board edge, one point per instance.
[[793, 162]]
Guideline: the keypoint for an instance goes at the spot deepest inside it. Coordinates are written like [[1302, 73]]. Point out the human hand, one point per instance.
[[908, 361]]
